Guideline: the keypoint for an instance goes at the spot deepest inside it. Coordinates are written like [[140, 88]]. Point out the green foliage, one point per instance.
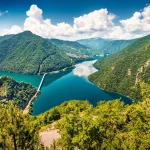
[[30, 54], [5, 37], [18, 93], [64, 109], [16, 130], [72, 47], [110, 125], [102, 46], [103, 63], [124, 71]]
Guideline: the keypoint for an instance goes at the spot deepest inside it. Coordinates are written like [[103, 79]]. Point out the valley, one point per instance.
[[74, 75]]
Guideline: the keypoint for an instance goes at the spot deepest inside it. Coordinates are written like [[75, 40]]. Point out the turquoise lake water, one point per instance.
[[68, 85]]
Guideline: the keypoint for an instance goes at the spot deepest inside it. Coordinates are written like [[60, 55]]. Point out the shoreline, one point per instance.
[[107, 91], [61, 70]]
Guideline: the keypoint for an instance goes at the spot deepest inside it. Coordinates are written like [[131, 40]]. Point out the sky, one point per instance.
[[76, 19]]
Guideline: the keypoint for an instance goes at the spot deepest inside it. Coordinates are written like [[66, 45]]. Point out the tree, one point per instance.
[[16, 131]]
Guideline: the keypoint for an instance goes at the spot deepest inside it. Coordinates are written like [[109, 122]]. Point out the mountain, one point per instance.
[[114, 46], [18, 93], [71, 47], [105, 62], [102, 46], [31, 54], [126, 72], [5, 37], [95, 43]]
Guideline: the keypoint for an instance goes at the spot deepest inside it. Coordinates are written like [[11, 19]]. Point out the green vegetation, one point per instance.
[[18, 93], [115, 46], [17, 132], [5, 37], [72, 47], [103, 63], [110, 125], [30, 54], [126, 71], [102, 46]]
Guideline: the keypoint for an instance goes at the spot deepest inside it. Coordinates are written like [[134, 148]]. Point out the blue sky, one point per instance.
[[59, 11]]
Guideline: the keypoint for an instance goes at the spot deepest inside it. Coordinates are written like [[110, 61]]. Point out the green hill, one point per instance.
[[95, 43], [30, 54], [102, 46], [103, 63], [5, 37], [110, 125], [19, 93], [71, 47], [114, 46], [126, 72]]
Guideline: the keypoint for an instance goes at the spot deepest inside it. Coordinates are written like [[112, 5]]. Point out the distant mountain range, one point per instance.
[[72, 47], [127, 71], [31, 54], [102, 46], [28, 53]]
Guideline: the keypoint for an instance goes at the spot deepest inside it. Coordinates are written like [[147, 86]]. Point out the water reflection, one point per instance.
[[53, 77], [35, 79], [84, 69]]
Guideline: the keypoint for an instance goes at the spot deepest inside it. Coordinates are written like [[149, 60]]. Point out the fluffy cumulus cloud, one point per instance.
[[13, 30], [45, 28], [99, 23], [99, 20], [138, 23]]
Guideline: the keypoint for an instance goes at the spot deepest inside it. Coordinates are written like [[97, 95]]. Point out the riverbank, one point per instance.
[[64, 69], [29, 107], [114, 94]]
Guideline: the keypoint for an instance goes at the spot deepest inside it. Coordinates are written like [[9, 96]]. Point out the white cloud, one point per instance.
[[45, 28], [99, 23], [84, 69], [13, 30], [86, 25], [98, 20], [138, 23], [3, 13]]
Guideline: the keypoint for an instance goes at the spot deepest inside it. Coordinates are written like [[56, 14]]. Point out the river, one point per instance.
[[71, 84]]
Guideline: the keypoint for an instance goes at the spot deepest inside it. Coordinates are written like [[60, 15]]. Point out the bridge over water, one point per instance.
[[26, 110]]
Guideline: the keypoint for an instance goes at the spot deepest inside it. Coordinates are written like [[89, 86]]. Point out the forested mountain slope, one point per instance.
[[30, 54], [71, 47], [126, 72], [102, 46], [114, 46], [5, 37], [18, 93], [103, 63]]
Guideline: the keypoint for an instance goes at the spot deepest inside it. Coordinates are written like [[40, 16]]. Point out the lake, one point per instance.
[[71, 84]]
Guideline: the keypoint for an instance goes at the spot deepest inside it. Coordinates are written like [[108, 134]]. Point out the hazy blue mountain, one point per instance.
[[102, 46]]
